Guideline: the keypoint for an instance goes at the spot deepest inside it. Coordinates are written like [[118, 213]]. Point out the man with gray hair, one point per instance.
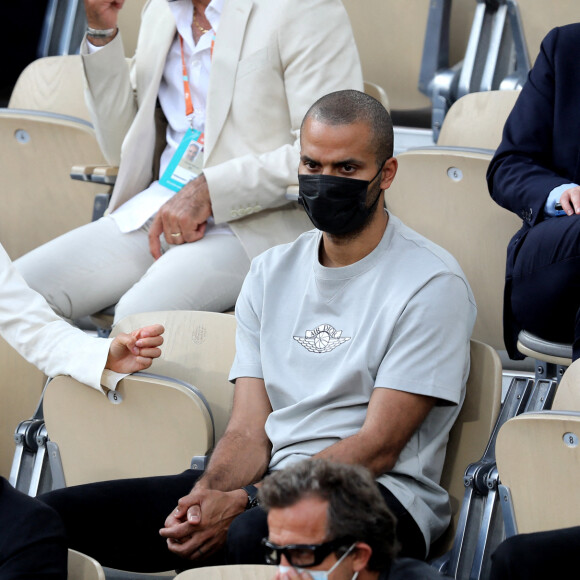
[[323, 516], [352, 345]]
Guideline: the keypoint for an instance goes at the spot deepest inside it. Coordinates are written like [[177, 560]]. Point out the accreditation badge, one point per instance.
[[186, 163]]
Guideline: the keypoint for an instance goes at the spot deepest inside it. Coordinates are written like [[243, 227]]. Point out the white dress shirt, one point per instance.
[[44, 339], [135, 212]]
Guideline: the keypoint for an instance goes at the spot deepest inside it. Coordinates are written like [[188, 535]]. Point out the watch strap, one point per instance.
[[252, 492]]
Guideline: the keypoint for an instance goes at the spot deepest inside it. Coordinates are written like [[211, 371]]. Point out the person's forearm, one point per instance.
[[360, 450], [392, 419], [236, 461]]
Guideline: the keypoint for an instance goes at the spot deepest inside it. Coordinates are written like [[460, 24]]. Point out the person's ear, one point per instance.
[[388, 172], [361, 556]]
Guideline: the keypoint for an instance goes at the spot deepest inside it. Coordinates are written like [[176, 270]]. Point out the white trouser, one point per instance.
[[96, 266]]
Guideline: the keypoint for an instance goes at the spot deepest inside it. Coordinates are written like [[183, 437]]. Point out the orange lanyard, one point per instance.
[[186, 88]]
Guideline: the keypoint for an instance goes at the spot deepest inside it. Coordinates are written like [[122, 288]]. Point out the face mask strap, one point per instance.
[[338, 562], [370, 208]]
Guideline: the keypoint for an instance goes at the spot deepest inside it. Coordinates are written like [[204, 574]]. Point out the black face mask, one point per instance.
[[335, 205]]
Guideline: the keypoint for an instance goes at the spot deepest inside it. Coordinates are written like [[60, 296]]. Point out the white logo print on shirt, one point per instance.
[[323, 338]]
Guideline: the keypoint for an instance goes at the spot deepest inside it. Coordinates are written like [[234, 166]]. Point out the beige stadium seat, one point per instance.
[[82, 567], [199, 349], [538, 458], [389, 36], [148, 427], [538, 17], [442, 194], [477, 119], [55, 84], [471, 432], [232, 572], [52, 84], [378, 93], [567, 396], [39, 199], [44, 132], [155, 422]]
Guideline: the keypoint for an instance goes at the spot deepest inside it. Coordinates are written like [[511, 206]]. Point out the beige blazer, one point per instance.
[[272, 59]]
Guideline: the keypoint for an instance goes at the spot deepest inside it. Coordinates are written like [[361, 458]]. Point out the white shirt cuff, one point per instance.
[[110, 379]]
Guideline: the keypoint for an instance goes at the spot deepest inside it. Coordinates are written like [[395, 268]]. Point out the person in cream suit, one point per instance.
[[239, 75], [29, 325]]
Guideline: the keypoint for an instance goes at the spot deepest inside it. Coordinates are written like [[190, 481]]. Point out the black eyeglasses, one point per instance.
[[302, 555]]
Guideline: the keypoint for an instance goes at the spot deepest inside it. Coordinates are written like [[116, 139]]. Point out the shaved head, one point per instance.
[[350, 106]]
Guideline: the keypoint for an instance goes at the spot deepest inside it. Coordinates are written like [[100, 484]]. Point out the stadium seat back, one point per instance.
[[472, 430], [83, 567], [52, 84], [442, 194], [146, 427], [538, 17], [39, 199], [377, 92], [199, 349], [538, 459], [231, 572], [567, 396], [155, 422], [477, 119], [383, 30]]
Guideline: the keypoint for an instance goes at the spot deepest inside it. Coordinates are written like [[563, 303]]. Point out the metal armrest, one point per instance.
[[481, 526], [105, 174]]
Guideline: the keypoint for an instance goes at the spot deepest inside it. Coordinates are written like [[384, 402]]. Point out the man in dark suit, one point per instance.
[[32, 538], [535, 170]]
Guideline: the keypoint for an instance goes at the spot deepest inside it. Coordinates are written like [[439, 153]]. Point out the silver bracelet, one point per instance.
[[95, 33]]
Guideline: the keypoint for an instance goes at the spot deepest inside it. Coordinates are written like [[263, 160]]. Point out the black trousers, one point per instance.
[[545, 295], [539, 556], [32, 538], [117, 523]]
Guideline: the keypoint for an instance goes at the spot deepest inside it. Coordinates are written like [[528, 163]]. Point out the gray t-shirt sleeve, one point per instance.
[[247, 362], [429, 349]]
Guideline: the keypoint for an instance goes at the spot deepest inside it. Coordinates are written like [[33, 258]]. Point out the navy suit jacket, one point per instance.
[[540, 147]]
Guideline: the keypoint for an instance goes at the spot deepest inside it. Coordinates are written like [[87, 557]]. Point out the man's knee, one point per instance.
[[510, 550], [57, 500], [550, 242]]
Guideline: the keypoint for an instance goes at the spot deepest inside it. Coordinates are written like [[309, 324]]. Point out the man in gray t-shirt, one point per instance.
[[352, 345], [358, 332]]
